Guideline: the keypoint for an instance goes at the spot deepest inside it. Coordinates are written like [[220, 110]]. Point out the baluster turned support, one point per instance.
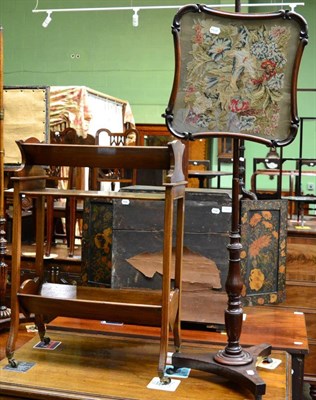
[[233, 354]]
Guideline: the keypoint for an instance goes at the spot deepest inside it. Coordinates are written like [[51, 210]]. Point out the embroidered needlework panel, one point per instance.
[[236, 75], [263, 257]]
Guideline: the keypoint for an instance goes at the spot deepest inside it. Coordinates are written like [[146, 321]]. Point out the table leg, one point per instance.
[[298, 375], [201, 181], [301, 213]]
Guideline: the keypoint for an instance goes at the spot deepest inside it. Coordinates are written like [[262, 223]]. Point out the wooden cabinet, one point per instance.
[[205, 264], [301, 288], [143, 307], [159, 135], [133, 233]]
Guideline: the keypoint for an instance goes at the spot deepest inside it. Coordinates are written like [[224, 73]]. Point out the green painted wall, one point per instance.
[[306, 103], [102, 50], [135, 64]]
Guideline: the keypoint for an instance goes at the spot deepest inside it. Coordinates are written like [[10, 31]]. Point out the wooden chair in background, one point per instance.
[[116, 175], [27, 202], [68, 209]]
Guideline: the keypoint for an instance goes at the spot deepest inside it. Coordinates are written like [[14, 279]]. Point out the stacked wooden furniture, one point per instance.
[[143, 307], [301, 288]]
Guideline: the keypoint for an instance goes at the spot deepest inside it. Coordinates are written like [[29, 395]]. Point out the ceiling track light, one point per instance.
[[135, 17], [47, 19]]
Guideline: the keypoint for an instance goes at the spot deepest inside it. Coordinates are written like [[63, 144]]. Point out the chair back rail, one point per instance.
[[114, 176]]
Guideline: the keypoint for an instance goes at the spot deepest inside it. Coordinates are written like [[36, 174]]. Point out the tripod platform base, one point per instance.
[[244, 375]]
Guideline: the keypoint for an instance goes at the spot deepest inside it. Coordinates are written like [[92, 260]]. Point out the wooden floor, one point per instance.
[[113, 367]]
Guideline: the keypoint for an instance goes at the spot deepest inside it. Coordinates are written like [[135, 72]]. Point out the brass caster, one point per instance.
[[170, 371], [46, 340], [5, 312], [165, 380], [13, 363]]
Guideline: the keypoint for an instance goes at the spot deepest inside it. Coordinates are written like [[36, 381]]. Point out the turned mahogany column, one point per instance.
[[233, 354]]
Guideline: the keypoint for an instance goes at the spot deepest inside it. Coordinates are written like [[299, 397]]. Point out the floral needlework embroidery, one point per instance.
[[234, 79]]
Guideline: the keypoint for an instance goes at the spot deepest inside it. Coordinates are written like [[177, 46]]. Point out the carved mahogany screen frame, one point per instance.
[[236, 75]]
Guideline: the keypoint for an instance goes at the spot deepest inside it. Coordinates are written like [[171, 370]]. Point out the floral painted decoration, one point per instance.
[[263, 257]]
